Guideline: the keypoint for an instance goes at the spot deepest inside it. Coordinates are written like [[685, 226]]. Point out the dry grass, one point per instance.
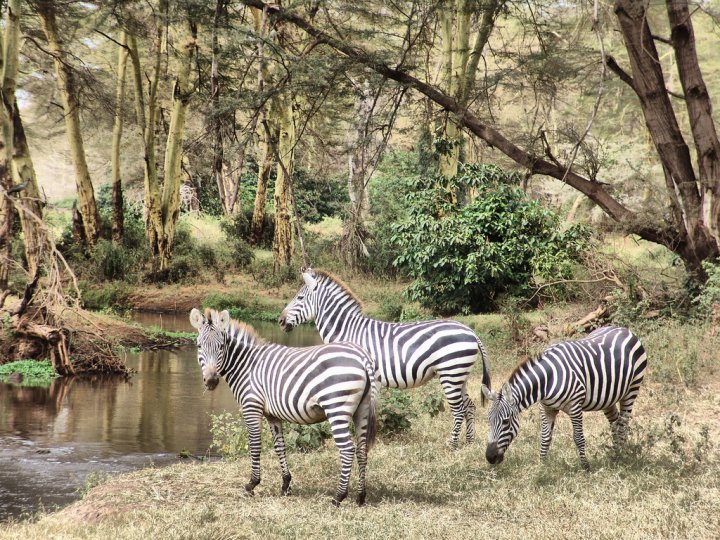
[[665, 485]]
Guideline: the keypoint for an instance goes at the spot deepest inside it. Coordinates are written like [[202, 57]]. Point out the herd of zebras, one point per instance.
[[339, 381]]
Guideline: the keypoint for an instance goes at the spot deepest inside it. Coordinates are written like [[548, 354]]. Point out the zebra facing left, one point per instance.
[[303, 385], [600, 372]]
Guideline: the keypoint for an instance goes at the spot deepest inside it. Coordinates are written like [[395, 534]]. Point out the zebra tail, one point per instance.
[[486, 371], [372, 413]]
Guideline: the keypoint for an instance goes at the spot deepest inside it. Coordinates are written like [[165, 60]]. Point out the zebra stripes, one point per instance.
[[302, 385], [407, 355], [599, 372]]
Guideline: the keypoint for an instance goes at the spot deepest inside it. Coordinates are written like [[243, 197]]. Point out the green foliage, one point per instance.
[[93, 480], [709, 294], [241, 307], [230, 437], [318, 197], [33, 372], [433, 403], [396, 412], [306, 438], [388, 203], [114, 295], [463, 257], [237, 232]]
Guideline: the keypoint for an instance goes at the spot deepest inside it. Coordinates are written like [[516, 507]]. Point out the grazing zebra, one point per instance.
[[301, 385], [406, 355], [595, 373]]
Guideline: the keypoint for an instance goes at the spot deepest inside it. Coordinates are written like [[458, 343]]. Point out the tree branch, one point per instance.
[[115, 41], [491, 136], [620, 72]]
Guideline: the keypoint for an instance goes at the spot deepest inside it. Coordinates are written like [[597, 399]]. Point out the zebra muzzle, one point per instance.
[[493, 454], [210, 379]]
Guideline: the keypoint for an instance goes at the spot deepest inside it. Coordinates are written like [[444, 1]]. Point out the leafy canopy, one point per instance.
[[462, 256]]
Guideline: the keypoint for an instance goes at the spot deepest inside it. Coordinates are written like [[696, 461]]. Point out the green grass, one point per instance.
[[173, 334], [33, 372]]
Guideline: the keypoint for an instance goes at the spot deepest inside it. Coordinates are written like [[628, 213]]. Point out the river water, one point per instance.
[[52, 438]]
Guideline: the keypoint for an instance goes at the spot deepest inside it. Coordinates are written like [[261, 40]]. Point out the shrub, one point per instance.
[[237, 231], [114, 295], [395, 413], [709, 295], [463, 257]]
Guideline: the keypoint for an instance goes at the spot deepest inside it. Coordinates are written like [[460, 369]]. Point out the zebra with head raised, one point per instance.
[[406, 355], [301, 385], [596, 373]]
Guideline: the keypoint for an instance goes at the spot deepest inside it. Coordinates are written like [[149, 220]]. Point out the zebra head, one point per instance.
[[503, 422], [211, 348], [304, 306]]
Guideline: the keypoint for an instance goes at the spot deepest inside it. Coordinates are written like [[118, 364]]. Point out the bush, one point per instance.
[[114, 295], [396, 412], [709, 295], [237, 231], [463, 257]]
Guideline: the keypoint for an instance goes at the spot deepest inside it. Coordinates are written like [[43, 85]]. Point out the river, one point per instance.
[[52, 438]]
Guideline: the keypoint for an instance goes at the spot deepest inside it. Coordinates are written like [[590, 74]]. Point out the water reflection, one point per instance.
[[51, 438]]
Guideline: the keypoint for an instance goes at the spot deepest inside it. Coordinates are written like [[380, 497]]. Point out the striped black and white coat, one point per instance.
[[406, 355], [601, 372], [303, 385]]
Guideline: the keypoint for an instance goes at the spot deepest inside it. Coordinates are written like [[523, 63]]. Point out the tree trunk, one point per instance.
[[282, 241], [355, 233], [224, 181], [146, 124], [117, 194], [263, 146], [30, 204], [71, 106], [696, 240], [6, 184], [182, 92], [265, 162], [699, 109]]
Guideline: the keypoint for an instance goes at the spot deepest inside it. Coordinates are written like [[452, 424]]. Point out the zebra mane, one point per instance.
[[237, 327], [527, 362], [343, 286]]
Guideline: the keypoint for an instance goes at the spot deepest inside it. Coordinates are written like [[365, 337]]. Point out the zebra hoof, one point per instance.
[[286, 491], [248, 492], [361, 499], [335, 503]]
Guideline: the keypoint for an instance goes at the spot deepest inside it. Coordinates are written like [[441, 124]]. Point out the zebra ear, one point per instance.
[[224, 320], [507, 393], [197, 319], [489, 394], [309, 278]]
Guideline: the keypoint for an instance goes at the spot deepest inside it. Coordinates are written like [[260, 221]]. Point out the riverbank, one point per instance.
[[665, 484]]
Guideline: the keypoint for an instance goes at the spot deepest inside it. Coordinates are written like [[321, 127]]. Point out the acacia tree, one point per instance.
[[17, 173], [70, 92], [693, 230], [117, 195]]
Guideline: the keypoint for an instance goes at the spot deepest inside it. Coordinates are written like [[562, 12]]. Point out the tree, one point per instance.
[[69, 91], [117, 195], [693, 231], [17, 161]]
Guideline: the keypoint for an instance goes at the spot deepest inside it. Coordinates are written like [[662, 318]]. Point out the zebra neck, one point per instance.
[[240, 354], [334, 322], [528, 383]]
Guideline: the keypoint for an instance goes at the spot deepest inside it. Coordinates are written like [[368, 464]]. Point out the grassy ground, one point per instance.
[[666, 484]]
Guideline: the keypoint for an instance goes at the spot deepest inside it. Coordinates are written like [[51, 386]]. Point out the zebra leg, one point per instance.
[[340, 426], [454, 395], [626, 407], [547, 417], [360, 419], [576, 417], [611, 413], [469, 416], [253, 423], [279, 444]]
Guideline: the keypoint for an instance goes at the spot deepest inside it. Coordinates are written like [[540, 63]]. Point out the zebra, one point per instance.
[[407, 355], [598, 372], [303, 385]]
